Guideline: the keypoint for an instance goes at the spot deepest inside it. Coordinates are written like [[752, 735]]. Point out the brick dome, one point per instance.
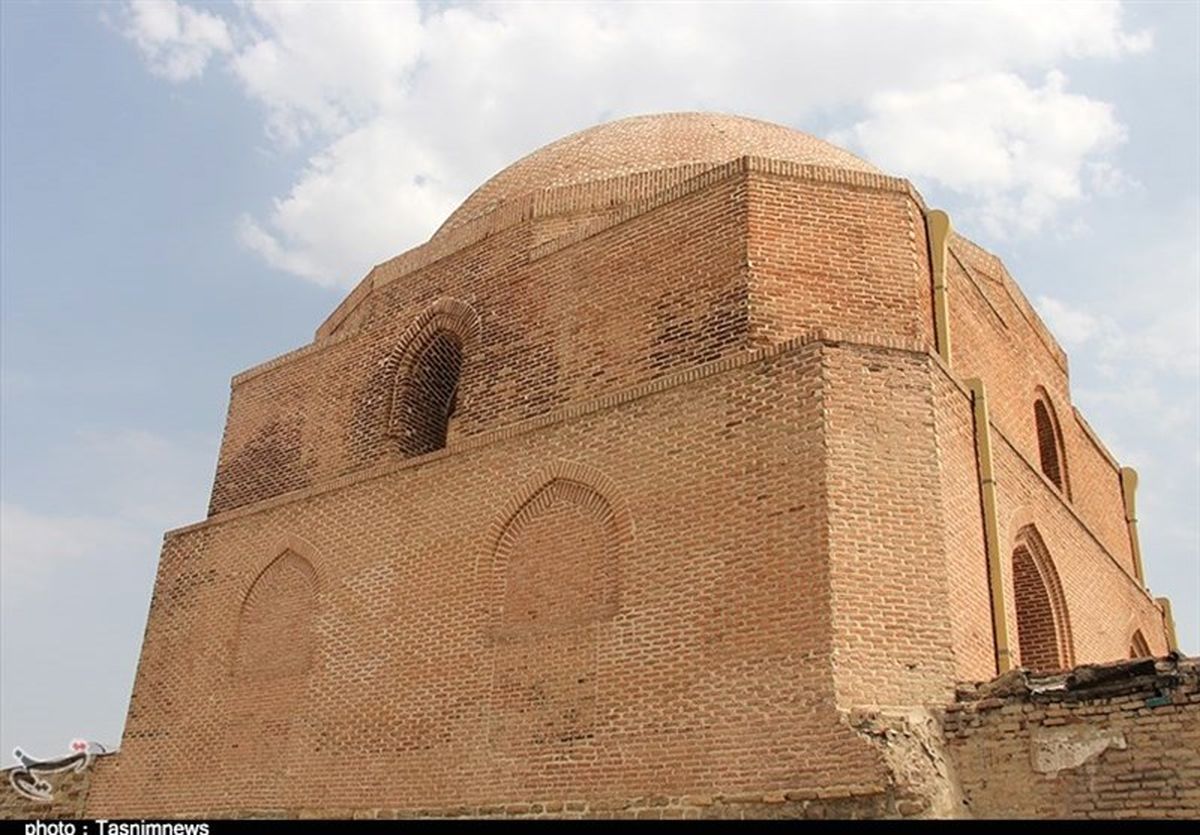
[[648, 143]]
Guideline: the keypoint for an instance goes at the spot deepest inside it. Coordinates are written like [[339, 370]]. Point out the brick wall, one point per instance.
[[605, 314], [969, 604], [1086, 569], [837, 256], [997, 336], [685, 649], [679, 283], [1116, 741], [890, 586], [1030, 509]]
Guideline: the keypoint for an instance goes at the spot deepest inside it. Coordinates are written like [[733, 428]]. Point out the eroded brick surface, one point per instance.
[[1121, 741]]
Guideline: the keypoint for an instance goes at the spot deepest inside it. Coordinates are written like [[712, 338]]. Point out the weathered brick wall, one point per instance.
[[669, 287], [1087, 571], [698, 641], [1118, 741], [845, 256], [662, 291], [1028, 504], [997, 337], [886, 536], [969, 599], [706, 491]]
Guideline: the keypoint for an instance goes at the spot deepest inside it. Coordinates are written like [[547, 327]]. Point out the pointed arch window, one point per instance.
[[428, 370], [1043, 629], [1139, 647], [426, 395], [1051, 453]]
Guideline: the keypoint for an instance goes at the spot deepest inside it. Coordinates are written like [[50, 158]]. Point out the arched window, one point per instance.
[[423, 372], [1050, 445], [1043, 631], [426, 393], [1138, 646]]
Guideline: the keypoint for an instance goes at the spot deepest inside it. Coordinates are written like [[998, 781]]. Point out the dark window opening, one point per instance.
[[1048, 446], [427, 398]]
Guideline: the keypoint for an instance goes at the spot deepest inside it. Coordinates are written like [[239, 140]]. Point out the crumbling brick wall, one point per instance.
[[1106, 741]]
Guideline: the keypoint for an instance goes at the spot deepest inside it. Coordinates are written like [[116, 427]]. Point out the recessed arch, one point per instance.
[[425, 371], [425, 394], [274, 653], [604, 488], [552, 579], [276, 625], [1139, 647], [1051, 452], [1044, 640]]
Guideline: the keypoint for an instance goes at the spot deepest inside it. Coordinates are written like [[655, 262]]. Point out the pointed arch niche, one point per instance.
[[276, 630], [1043, 628], [554, 580], [1139, 647], [271, 663]]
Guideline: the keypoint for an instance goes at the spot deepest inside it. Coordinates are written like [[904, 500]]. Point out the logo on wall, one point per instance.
[[28, 777]]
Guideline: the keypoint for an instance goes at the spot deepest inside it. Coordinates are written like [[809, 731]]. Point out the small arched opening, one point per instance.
[[1139, 647], [1050, 445], [1043, 631], [426, 394]]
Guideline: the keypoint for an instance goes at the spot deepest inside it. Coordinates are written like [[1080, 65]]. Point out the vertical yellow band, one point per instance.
[[991, 529], [1168, 624], [937, 227], [1129, 481]]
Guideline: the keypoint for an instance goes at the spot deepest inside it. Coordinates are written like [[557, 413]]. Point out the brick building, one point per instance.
[[683, 442]]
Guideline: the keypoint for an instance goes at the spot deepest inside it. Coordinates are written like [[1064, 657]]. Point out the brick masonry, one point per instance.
[[630, 486], [1117, 741]]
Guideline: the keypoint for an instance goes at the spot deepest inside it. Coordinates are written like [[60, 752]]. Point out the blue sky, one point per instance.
[[188, 189]]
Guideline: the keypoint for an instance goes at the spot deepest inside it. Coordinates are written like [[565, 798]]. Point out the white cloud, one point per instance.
[[417, 106], [34, 545], [1167, 342], [371, 194], [1071, 326], [176, 40], [327, 67], [1022, 151], [1142, 320]]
